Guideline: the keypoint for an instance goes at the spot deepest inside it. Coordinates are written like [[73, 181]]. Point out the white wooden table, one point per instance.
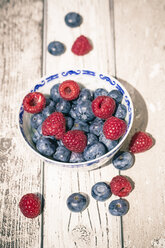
[[128, 38]]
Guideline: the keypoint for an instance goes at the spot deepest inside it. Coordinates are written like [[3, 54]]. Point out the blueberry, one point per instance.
[[73, 19], [94, 151], [69, 122], [116, 95], [48, 111], [36, 120], [121, 111], [62, 154], [84, 95], [123, 160], [119, 207], [49, 102], [46, 146], [35, 136], [54, 93], [63, 106], [110, 144], [60, 143], [56, 48], [84, 111], [80, 125], [96, 126], [91, 139], [101, 191], [76, 157], [39, 130], [77, 202], [73, 111], [100, 92]]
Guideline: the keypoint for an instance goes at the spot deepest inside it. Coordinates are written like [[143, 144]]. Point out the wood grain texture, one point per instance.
[[20, 65], [140, 51], [94, 227]]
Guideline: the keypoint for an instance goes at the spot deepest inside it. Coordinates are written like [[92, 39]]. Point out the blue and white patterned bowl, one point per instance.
[[88, 79]]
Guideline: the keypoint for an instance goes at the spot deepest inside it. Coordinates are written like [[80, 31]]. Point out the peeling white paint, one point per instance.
[[158, 243]]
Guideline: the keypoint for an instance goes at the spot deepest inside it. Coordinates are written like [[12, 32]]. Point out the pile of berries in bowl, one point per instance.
[[76, 118]]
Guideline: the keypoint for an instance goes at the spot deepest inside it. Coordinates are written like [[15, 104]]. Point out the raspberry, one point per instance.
[[114, 128], [34, 102], [140, 142], [103, 106], [69, 90], [30, 205], [81, 46], [120, 186], [75, 140], [54, 125]]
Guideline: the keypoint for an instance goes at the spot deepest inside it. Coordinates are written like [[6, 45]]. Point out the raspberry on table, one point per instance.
[[75, 140], [81, 46], [140, 142], [103, 106], [114, 128], [30, 205], [120, 186], [69, 90], [54, 125], [34, 102]]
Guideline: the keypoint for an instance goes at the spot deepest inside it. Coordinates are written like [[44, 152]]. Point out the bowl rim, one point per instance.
[[83, 164]]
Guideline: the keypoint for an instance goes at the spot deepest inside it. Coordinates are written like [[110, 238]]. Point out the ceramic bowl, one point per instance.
[[88, 79]]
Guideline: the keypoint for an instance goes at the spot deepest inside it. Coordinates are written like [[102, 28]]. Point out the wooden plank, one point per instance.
[[20, 66], [94, 227], [139, 28]]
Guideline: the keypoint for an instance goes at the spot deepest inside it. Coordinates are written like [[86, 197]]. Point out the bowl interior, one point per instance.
[[88, 79]]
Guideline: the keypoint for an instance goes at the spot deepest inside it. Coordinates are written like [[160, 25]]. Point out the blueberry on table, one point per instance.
[[123, 160], [119, 207], [77, 202], [73, 19], [56, 48], [101, 191]]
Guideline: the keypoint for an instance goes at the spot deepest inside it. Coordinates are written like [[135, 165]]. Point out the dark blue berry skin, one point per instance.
[[116, 95], [94, 151], [101, 191], [54, 93], [96, 126], [80, 125], [76, 157], [77, 202], [84, 95], [110, 144], [49, 102], [72, 112], [62, 154], [119, 207], [121, 111], [63, 106], [39, 130], [60, 143], [46, 146], [69, 122], [48, 111], [123, 160], [73, 19], [56, 48], [36, 120], [35, 136], [91, 139], [84, 111], [100, 92]]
